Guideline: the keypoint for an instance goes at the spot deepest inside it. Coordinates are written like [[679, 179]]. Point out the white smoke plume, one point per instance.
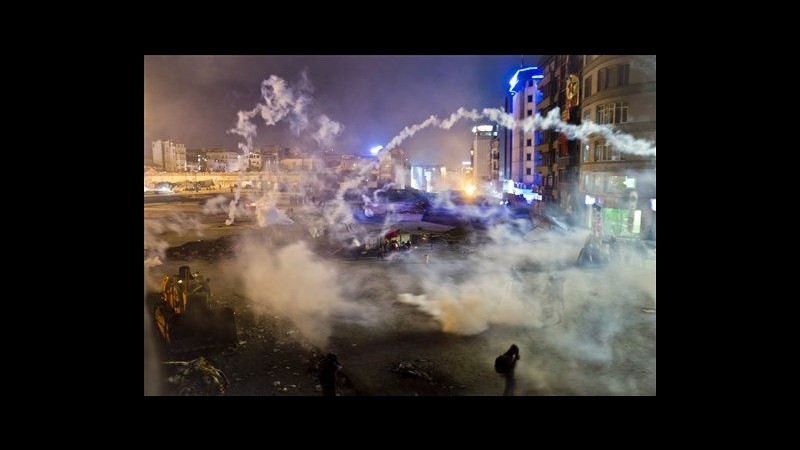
[[155, 241], [280, 101], [295, 283], [328, 130], [625, 143]]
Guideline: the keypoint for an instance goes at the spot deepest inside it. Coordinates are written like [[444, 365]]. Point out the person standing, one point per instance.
[[505, 365], [328, 368]]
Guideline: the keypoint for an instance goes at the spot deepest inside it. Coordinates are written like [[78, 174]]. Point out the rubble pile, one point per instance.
[[197, 377], [414, 369], [223, 247]]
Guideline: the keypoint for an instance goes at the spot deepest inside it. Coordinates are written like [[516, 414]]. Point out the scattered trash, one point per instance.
[[277, 383], [410, 369], [648, 310], [318, 388], [197, 377]]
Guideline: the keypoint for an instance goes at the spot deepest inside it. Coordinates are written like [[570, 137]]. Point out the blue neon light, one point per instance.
[[516, 78]]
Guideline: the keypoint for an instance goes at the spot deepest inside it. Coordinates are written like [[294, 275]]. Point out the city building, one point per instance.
[[254, 160], [517, 168], [619, 189], [555, 156], [169, 155], [299, 164], [429, 177], [196, 160], [484, 155], [220, 160]]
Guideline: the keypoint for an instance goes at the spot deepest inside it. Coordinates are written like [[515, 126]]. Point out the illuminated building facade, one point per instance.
[[483, 154], [517, 166], [169, 155], [620, 91], [557, 158]]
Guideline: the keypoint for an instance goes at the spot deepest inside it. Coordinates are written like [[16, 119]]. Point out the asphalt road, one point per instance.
[[588, 352]]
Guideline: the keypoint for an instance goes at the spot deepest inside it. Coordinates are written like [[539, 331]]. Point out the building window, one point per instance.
[[619, 113], [530, 113], [623, 73], [612, 113], [586, 182], [528, 170], [607, 152], [529, 143], [597, 151], [527, 157], [600, 80], [587, 115], [585, 152], [530, 98], [587, 87], [598, 182], [611, 77]]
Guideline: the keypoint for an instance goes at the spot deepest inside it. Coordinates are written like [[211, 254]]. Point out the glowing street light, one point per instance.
[[376, 149]]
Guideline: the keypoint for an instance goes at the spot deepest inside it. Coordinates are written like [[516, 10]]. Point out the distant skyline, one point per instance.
[[195, 99]]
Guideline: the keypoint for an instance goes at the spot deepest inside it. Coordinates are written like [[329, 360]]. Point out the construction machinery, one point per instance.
[[185, 318]]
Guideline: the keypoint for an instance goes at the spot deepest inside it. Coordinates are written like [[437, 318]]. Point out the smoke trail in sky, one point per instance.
[[280, 101], [625, 143]]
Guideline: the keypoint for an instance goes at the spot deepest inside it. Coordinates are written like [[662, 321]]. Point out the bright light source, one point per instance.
[[630, 183], [376, 149], [637, 221], [482, 128], [589, 200], [469, 189], [653, 204]]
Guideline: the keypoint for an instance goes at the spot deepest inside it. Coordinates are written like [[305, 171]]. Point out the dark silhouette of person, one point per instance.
[[505, 365], [328, 368]]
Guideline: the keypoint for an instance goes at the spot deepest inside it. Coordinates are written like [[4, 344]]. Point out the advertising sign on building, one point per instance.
[[573, 91]]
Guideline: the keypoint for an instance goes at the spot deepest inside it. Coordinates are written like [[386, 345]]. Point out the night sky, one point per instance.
[[195, 99]]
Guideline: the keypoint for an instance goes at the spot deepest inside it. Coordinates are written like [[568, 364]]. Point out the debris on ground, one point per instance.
[[412, 369], [223, 247], [197, 377]]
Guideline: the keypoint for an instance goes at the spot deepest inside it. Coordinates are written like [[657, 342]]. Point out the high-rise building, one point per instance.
[[619, 188], [557, 162], [518, 169], [169, 155], [484, 159]]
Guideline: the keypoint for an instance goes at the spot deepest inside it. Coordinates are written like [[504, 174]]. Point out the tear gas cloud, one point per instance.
[[155, 242], [294, 282], [624, 142], [509, 281], [280, 100]]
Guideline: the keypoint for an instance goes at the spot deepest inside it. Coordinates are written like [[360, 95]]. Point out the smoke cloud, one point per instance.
[[624, 142], [296, 283], [280, 100], [327, 131]]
